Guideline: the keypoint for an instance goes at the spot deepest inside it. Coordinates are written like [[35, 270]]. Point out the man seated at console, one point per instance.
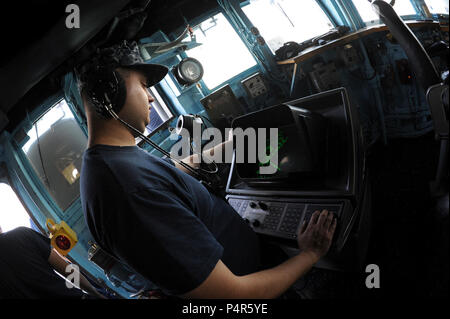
[[153, 215]]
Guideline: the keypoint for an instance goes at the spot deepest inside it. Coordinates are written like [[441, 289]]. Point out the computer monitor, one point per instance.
[[301, 144], [322, 154]]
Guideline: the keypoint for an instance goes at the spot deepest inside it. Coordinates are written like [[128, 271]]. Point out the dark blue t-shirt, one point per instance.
[[161, 221]]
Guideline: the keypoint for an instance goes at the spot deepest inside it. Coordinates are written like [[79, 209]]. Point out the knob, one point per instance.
[[263, 205], [256, 223], [246, 220], [252, 204]]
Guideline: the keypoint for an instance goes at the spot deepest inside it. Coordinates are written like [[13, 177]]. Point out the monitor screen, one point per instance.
[[155, 121], [291, 158], [300, 139]]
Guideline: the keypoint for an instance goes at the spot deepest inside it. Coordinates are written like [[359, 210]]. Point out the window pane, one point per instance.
[[159, 113], [437, 6], [222, 53], [55, 149], [402, 7], [12, 214], [290, 20]]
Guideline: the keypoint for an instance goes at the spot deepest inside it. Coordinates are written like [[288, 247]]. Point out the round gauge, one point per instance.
[[189, 71]]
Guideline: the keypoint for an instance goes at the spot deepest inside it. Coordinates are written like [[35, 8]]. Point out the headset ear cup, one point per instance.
[[99, 91], [106, 87]]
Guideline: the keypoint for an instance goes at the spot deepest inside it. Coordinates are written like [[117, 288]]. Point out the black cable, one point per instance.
[[216, 168], [205, 118], [46, 180]]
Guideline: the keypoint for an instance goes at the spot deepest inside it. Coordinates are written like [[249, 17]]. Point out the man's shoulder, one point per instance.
[[103, 153], [23, 230], [100, 161], [24, 236], [122, 169], [129, 157]]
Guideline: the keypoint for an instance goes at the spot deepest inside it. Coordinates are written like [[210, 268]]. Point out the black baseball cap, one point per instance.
[[126, 55]]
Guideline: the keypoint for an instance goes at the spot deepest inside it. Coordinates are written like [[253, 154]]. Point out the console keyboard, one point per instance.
[[279, 219]]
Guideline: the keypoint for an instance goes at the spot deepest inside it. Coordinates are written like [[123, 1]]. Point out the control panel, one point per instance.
[[282, 218], [255, 85]]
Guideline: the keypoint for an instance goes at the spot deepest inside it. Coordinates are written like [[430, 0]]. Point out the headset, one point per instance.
[[106, 90]]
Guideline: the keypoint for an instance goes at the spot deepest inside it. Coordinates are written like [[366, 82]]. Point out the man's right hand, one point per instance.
[[315, 237], [314, 240]]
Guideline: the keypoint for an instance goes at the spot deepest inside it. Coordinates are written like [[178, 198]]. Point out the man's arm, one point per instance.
[[314, 240], [60, 264]]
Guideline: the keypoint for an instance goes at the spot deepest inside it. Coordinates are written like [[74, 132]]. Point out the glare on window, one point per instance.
[[54, 149], [437, 6], [281, 21], [222, 53], [367, 13], [12, 214], [59, 111]]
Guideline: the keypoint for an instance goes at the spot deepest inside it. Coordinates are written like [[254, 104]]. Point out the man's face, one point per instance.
[[136, 110]]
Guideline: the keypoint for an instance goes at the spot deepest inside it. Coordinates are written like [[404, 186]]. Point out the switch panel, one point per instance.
[[255, 85]]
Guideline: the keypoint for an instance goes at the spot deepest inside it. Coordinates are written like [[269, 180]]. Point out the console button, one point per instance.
[[263, 205]]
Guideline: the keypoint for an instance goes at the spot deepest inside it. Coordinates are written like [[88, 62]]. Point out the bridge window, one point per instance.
[[55, 148], [12, 214], [159, 115], [437, 6], [222, 53], [282, 21], [368, 15]]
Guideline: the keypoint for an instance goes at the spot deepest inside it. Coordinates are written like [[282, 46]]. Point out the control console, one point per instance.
[[281, 218]]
